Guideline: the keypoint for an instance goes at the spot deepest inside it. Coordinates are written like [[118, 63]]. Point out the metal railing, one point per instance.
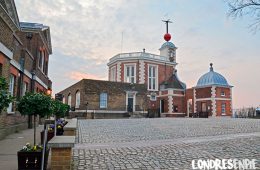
[[140, 55]]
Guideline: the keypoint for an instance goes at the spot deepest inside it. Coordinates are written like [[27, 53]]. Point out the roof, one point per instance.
[[43, 30], [174, 82], [212, 78], [168, 44], [111, 86], [91, 86], [35, 26]]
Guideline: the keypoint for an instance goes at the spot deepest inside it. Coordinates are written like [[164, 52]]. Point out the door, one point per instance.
[[130, 104], [162, 106], [204, 107]]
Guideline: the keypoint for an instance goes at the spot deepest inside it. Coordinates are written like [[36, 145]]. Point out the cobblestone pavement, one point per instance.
[[164, 143]]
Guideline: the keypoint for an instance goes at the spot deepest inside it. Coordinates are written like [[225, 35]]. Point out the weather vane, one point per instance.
[[167, 36]]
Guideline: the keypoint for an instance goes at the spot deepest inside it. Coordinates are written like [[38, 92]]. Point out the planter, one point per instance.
[[49, 136], [59, 131], [31, 160]]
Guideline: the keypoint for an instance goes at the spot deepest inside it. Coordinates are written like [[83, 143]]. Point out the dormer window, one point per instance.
[[223, 93]]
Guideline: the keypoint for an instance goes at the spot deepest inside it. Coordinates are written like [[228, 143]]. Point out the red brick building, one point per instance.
[[165, 93], [212, 94], [24, 56]]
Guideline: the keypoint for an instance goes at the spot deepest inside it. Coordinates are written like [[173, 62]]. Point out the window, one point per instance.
[[77, 99], [153, 97], [11, 90], [69, 100], [223, 108], [63, 99], [175, 108], [25, 88], [41, 59], [152, 77], [130, 73], [223, 93], [103, 100], [113, 74]]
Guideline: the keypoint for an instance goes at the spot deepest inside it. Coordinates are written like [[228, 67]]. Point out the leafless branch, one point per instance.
[[239, 8]]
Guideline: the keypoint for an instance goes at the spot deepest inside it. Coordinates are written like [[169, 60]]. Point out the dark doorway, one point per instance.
[[204, 107], [162, 106], [130, 105]]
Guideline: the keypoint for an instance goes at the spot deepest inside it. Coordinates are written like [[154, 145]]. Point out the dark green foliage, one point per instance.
[[60, 109], [5, 97], [35, 104]]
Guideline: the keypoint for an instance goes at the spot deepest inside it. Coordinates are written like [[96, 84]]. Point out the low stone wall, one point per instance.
[[11, 123], [71, 127], [99, 115], [61, 152]]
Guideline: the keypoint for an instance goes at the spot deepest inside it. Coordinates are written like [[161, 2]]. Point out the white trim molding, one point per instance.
[[118, 69], [141, 72], [213, 101], [27, 73], [195, 100], [209, 98], [170, 104], [6, 51]]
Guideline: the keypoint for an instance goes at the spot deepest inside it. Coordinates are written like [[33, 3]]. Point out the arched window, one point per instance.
[[77, 99], [69, 100]]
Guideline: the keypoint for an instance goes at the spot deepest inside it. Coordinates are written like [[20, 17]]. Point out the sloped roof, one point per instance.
[[174, 82]]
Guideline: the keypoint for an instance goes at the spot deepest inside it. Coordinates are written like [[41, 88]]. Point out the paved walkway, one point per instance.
[[164, 143], [13, 143]]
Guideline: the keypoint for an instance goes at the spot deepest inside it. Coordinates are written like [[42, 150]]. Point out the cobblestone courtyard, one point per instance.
[[163, 143]]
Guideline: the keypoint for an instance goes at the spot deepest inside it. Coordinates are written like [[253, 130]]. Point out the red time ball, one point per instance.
[[167, 37]]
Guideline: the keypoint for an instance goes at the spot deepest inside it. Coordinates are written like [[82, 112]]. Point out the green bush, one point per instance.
[[5, 96]]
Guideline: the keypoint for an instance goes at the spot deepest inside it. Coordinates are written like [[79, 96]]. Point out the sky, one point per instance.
[[85, 34]]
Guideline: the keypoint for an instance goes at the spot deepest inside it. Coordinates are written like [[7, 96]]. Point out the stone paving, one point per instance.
[[164, 143]]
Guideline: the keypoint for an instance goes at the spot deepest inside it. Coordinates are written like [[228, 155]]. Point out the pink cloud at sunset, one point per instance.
[[75, 75]]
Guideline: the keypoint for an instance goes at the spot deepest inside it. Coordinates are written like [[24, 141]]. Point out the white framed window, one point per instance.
[[153, 97], [103, 100], [77, 99], [130, 73], [113, 74], [223, 108], [152, 77], [69, 100], [223, 93], [41, 60], [25, 88], [11, 90]]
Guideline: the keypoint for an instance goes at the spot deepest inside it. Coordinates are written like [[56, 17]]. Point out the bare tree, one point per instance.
[[239, 8]]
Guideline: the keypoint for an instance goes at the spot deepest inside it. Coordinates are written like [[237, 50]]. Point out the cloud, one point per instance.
[[85, 34], [79, 75]]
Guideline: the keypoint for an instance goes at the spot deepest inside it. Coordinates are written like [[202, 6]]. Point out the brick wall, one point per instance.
[[5, 65], [90, 91], [6, 35], [228, 107], [203, 92], [180, 103], [219, 90]]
